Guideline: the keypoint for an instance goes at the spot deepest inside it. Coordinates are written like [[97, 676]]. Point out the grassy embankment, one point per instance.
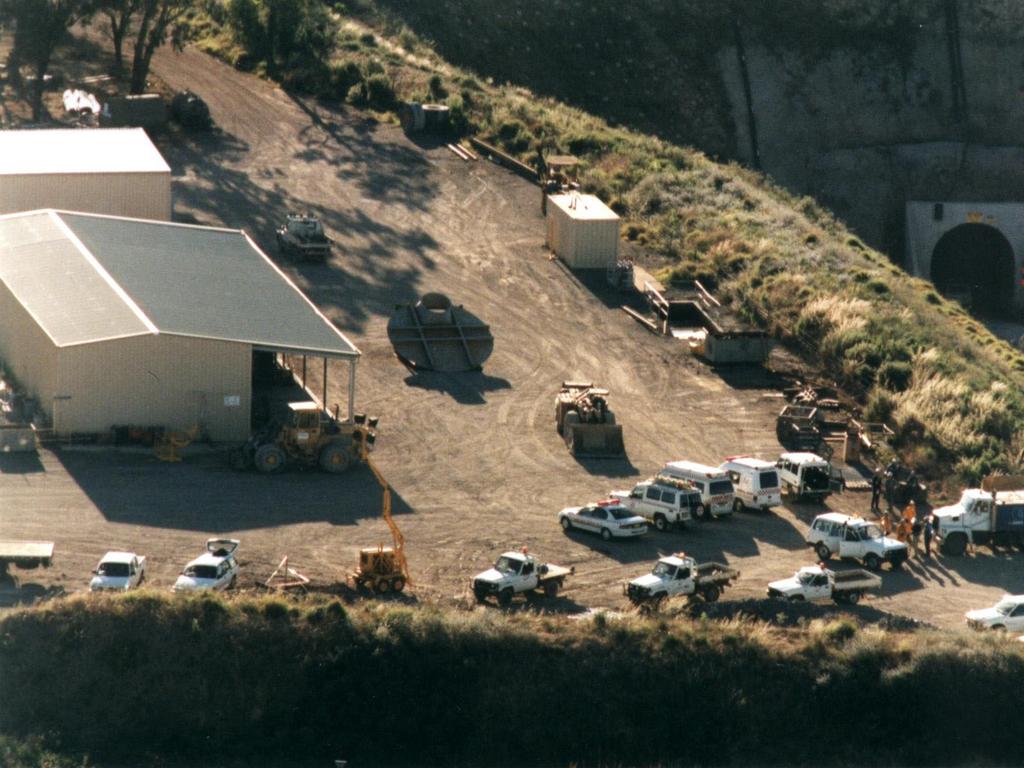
[[192, 679], [949, 387]]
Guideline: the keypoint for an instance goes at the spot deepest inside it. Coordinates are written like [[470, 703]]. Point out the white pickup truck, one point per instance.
[[816, 582], [663, 502], [856, 538], [680, 575], [517, 573], [118, 572]]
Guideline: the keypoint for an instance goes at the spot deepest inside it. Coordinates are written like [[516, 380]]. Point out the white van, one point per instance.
[[808, 477], [755, 483], [713, 483]]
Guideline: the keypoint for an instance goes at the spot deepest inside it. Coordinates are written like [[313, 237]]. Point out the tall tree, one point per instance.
[[119, 15], [158, 23], [39, 26]]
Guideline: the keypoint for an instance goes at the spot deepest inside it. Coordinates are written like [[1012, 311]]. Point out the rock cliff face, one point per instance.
[[865, 128]]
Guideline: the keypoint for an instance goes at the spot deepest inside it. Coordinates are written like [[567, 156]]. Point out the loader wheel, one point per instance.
[[382, 586], [269, 458], [505, 598], [397, 584], [334, 459]]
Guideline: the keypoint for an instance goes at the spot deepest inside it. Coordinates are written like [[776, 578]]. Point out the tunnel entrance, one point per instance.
[[973, 263]]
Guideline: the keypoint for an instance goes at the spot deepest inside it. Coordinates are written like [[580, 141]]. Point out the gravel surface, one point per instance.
[[474, 461]]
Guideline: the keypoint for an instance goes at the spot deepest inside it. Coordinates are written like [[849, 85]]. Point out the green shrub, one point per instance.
[[895, 375], [880, 406], [344, 75], [436, 88]]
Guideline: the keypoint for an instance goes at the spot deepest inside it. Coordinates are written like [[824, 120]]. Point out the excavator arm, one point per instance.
[[396, 534]]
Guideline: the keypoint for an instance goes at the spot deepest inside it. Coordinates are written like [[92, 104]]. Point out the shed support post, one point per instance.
[[324, 400], [351, 389], [303, 371]]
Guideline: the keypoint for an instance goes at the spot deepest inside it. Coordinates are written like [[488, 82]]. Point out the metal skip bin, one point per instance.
[[435, 335]]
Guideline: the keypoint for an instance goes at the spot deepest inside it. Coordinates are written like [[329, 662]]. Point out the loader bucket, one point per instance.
[[595, 439]]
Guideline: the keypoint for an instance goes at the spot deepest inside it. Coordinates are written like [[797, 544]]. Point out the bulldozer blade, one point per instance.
[[595, 440]]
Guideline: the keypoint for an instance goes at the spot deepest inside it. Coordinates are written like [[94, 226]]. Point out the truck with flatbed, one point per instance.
[[118, 572], [519, 573], [992, 515], [663, 502], [679, 574], [816, 582], [855, 538]]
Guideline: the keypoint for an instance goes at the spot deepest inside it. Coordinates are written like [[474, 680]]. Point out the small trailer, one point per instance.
[[816, 582]]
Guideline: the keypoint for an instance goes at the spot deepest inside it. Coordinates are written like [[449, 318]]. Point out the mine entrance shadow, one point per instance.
[[467, 388]]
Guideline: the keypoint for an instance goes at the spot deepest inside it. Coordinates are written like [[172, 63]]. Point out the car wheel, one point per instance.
[[872, 561], [796, 598], [737, 505], [566, 524], [701, 513], [551, 589], [505, 597], [660, 523], [606, 534], [853, 598], [998, 628], [233, 582], [711, 593], [822, 550]]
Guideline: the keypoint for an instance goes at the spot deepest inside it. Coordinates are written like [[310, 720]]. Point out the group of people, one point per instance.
[[908, 527]]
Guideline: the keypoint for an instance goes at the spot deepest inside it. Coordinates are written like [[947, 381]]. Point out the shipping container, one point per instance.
[[582, 231]]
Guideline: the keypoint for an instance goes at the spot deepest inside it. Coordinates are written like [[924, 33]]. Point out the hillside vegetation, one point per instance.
[[122, 678], [950, 388]]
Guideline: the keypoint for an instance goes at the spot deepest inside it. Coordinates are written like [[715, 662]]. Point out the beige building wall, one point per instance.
[[136, 195], [26, 351], [168, 381]]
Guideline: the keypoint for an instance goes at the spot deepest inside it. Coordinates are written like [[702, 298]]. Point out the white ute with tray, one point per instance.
[[118, 572], [216, 569], [516, 573], [679, 575], [816, 582]]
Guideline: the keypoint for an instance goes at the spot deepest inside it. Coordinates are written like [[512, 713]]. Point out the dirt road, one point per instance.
[[473, 459]]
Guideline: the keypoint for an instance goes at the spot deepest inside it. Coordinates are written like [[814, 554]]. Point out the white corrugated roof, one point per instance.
[[79, 150], [584, 207], [86, 278]]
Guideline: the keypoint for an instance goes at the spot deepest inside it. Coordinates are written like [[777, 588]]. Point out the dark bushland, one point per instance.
[[149, 674]]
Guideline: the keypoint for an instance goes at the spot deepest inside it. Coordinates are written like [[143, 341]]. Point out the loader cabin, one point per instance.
[[107, 322]]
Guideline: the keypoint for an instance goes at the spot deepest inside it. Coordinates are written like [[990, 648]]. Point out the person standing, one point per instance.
[[916, 529], [929, 531], [876, 491]]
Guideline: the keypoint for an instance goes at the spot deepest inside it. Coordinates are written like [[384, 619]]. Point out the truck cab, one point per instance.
[[663, 503], [808, 476], [855, 538], [981, 516]]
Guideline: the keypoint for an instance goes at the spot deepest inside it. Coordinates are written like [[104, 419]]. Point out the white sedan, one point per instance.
[[216, 569], [1008, 613], [610, 519]]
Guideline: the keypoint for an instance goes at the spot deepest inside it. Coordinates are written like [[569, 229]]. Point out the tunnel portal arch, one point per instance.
[[974, 263]]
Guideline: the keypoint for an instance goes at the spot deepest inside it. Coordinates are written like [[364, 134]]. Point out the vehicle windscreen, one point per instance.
[[507, 565], [769, 480], [719, 487], [202, 571], [815, 478], [871, 532], [664, 569], [113, 569], [1004, 607], [620, 514], [805, 578]]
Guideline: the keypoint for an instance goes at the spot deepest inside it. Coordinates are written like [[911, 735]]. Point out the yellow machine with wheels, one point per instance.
[[382, 569]]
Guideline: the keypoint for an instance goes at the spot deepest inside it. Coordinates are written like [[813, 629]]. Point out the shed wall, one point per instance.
[[136, 195], [165, 380], [26, 351]]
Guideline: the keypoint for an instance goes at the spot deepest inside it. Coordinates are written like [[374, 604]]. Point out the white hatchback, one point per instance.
[[216, 569], [610, 519], [1008, 613]]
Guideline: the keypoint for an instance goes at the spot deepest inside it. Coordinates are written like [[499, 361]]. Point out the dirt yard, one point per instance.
[[473, 459]]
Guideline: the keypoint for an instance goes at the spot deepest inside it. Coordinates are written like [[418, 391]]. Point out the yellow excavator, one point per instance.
[[381, 569]]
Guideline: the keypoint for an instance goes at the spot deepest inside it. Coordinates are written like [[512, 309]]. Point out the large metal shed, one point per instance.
[[116, 171], [111, 321]]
